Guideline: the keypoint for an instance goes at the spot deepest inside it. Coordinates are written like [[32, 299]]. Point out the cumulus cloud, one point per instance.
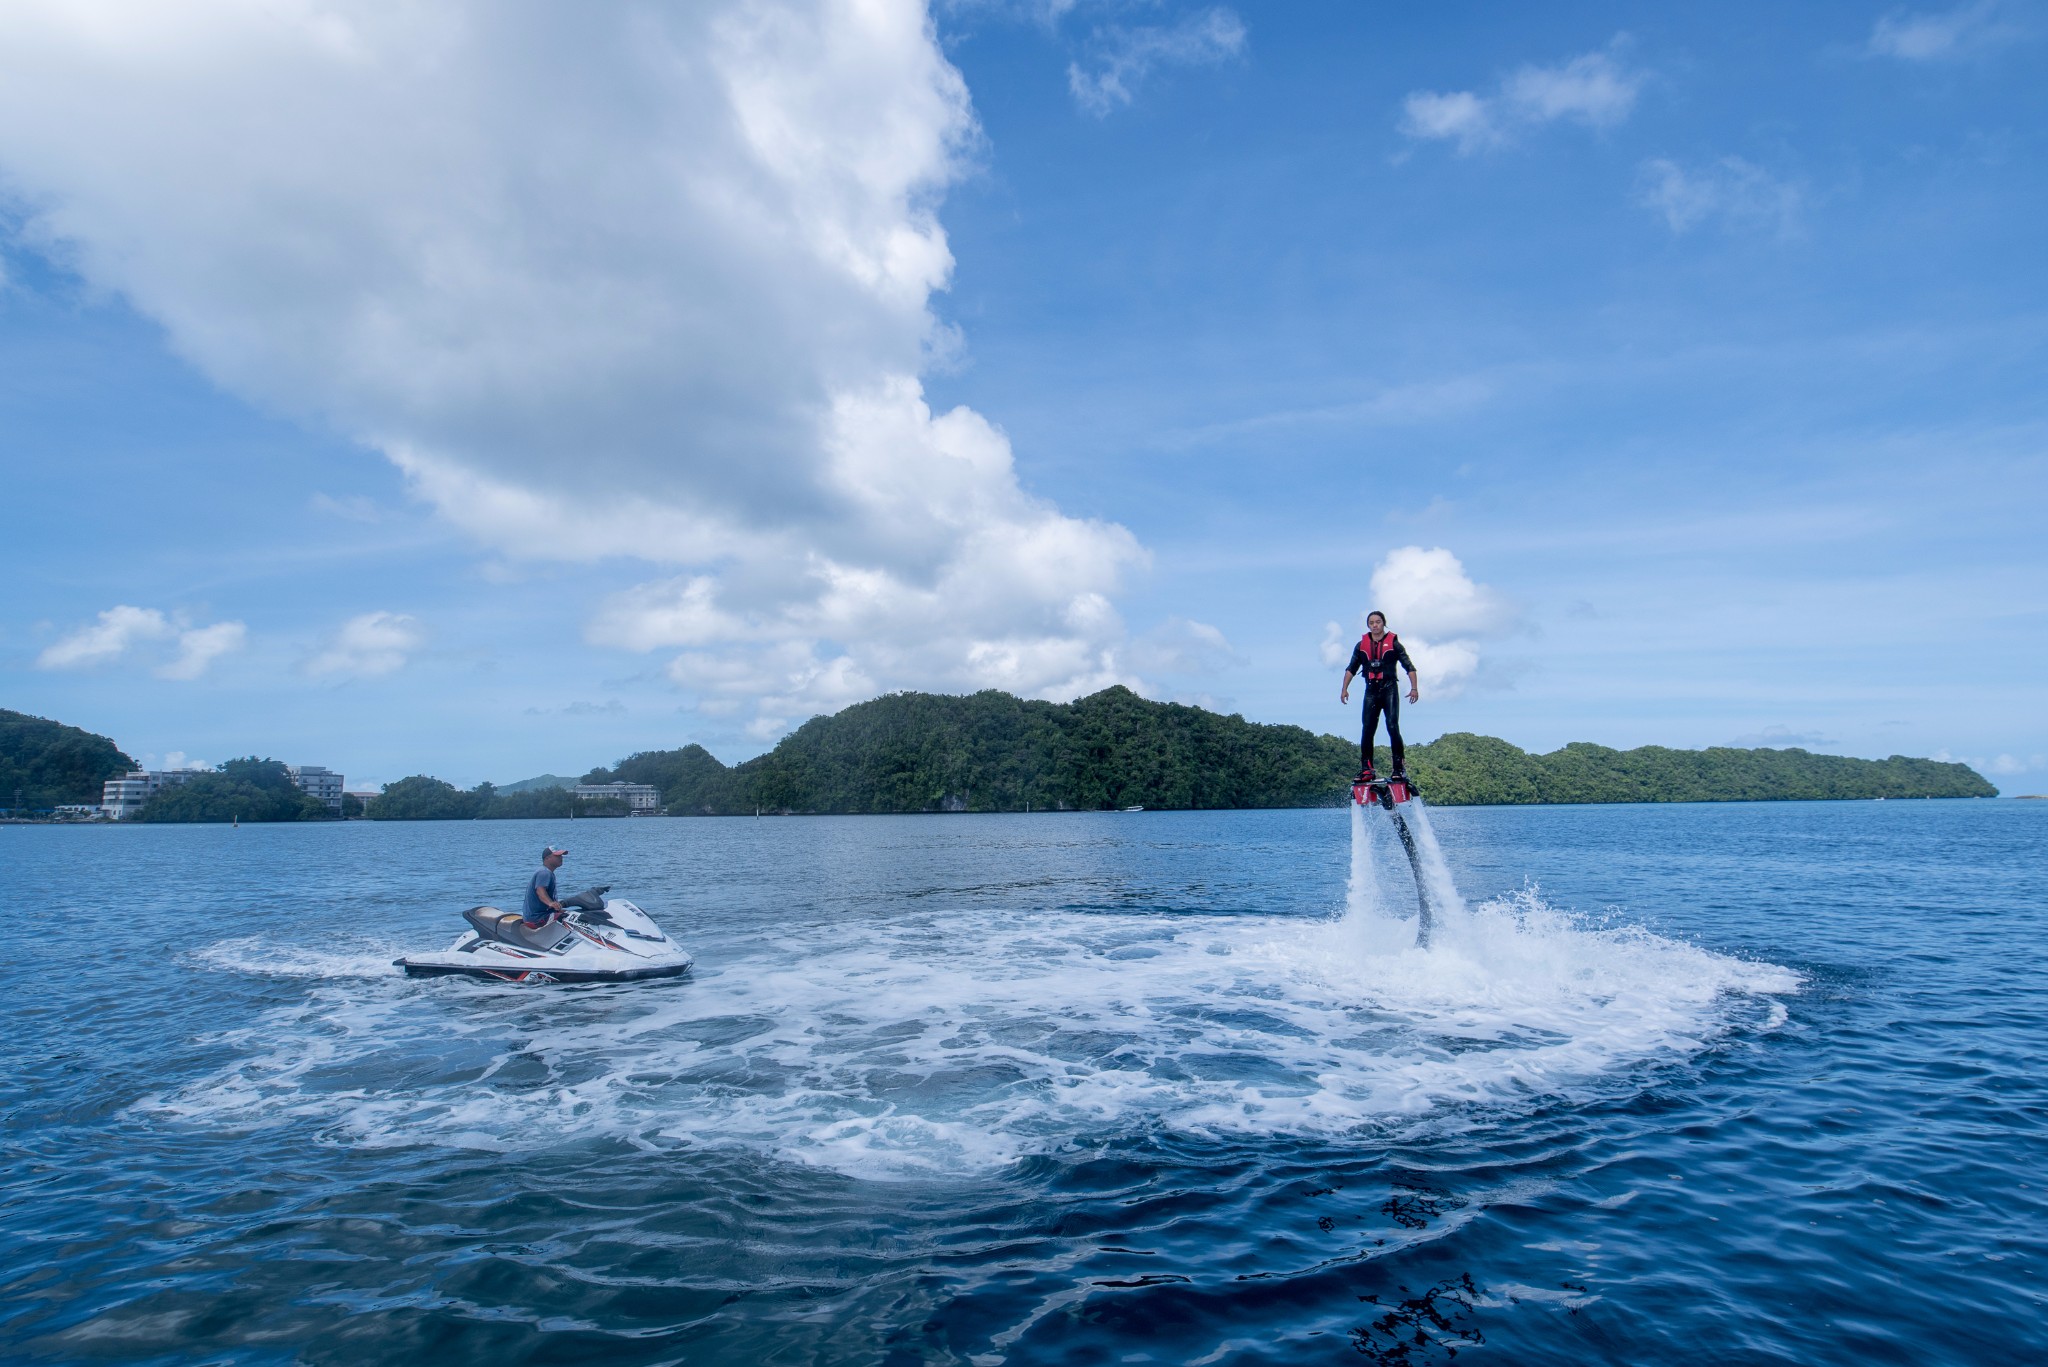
[[369, 646], [1941, 35], [1124, 57], [1440, 614], [1732, 190], [123, 630], [640, 281], [1596, 89]]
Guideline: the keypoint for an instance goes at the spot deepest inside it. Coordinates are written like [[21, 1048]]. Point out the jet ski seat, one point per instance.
[[511, 928]]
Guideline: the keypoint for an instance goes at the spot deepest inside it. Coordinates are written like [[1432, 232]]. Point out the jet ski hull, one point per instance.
[[617, 943], [425, 966]]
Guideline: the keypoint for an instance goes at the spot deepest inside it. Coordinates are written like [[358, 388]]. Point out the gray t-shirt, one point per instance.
[[537, 910]]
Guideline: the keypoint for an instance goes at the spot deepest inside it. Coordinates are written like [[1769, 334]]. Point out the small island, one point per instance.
[[992, 752]]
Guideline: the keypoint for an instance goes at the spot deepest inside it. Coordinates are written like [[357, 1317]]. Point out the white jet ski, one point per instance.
[[595, 941]]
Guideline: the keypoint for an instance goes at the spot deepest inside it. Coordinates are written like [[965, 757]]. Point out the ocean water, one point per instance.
[[1691, 1084]]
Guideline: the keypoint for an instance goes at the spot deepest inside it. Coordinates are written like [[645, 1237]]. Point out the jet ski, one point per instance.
[[595, 940]]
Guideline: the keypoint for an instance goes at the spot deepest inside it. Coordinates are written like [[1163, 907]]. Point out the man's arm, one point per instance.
[[1344, 693], [547, 897], [1414, 692]]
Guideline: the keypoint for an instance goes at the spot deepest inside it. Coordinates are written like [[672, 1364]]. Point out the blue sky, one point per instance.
[[515, 394]]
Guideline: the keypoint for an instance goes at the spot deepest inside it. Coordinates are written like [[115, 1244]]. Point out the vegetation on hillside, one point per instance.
[[538, 781], [1461, 769], [248, 789], [421, 798], [45, 764], [922, 752]]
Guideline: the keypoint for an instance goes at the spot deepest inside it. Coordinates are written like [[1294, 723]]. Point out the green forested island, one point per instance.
[[923, 752], [991, 752], [45, 764]]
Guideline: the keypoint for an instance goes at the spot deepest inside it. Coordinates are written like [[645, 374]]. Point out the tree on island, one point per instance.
[[247, 789], [421, 798]]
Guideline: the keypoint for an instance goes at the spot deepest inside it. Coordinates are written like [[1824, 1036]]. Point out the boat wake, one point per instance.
[[961, 1041]]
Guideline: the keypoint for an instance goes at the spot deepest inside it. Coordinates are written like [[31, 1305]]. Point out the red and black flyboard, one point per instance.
[[1385, 791]]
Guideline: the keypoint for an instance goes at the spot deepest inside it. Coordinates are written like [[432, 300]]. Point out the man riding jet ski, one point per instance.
[[581, 939]]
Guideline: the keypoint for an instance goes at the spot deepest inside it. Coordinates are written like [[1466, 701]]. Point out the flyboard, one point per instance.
[[1391, 794]]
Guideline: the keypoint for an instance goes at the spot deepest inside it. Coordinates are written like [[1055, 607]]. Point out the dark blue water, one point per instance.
[[1697, 1084]]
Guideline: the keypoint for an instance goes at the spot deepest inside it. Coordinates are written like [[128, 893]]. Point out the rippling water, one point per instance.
[[1673, 1084]]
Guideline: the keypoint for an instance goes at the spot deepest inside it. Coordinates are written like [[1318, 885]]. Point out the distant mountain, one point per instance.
[[46, 764], [528, 785], [923, 752]]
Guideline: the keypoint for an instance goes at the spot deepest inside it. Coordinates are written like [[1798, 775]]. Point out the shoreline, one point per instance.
[[1037, 811]]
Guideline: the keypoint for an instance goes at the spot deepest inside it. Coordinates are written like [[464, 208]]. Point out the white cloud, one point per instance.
[[639, 281], [1595, 89], [123, 629], [368, 646], [107, 639], [1126, 56], [200, 647], [1942, 35], [1459, 115], [1732, 190], [1440, 614], [1429, 592]]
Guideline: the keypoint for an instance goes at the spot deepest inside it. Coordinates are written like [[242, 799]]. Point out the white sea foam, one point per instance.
[[349, 957], [959, 1041]]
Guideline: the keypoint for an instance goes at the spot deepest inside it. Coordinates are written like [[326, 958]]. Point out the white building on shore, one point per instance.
[[641, 799], [318, 781], [121, 798]]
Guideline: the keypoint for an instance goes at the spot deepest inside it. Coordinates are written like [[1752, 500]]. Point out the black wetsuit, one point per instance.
[[1374, 662]]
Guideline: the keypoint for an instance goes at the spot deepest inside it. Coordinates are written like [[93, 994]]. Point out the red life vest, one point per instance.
[[1379, 665]]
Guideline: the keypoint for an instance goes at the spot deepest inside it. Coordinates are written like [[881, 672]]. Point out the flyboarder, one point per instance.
[[1376, 654]]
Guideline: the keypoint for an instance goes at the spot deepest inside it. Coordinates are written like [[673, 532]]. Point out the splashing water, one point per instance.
[[1362, 891], [1436, 873], [958, 1041], [1436, 891]]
